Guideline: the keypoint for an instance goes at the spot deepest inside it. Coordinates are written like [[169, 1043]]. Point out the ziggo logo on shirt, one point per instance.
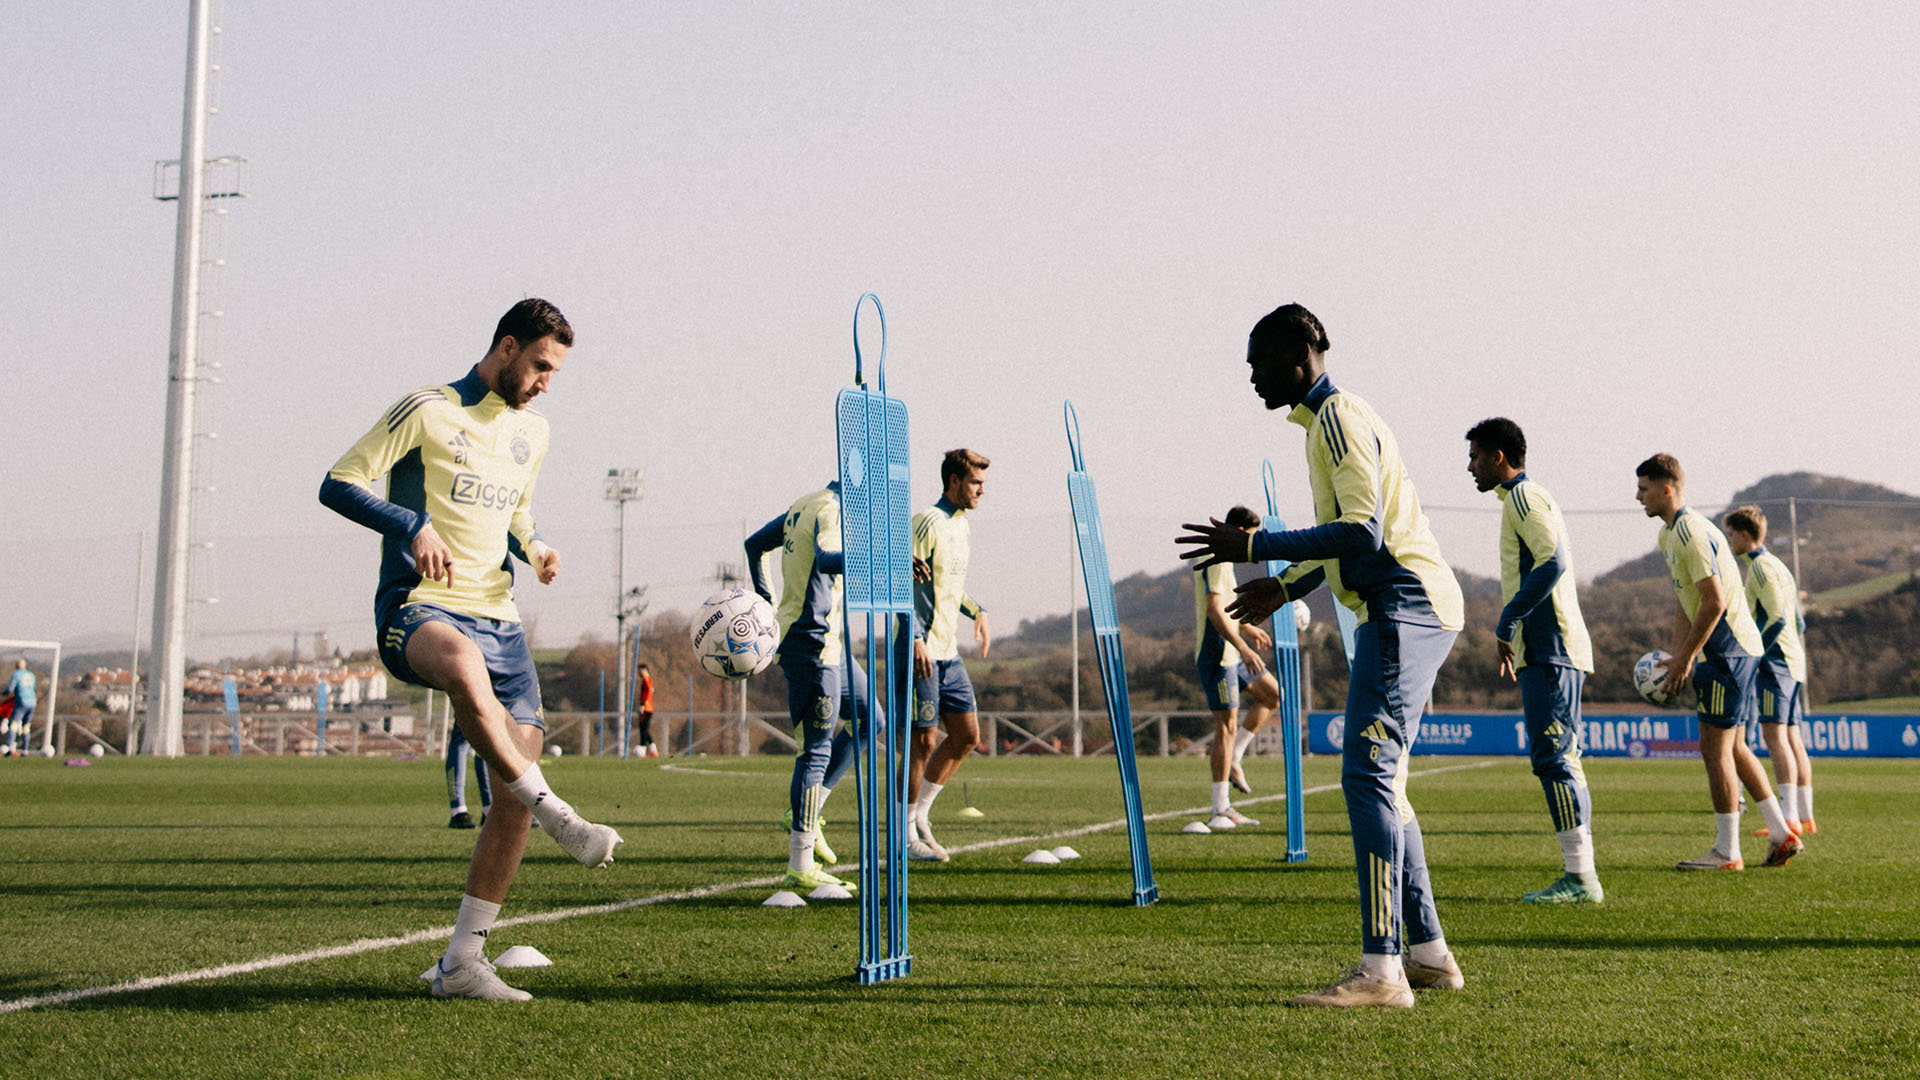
[[473, 491]]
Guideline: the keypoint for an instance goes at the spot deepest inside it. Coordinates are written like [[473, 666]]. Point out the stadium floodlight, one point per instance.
[[622, 487]]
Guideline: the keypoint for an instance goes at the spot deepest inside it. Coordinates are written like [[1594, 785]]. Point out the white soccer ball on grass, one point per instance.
[[735, 634]]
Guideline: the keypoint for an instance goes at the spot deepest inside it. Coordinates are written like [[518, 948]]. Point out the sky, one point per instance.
[[1630, 227]]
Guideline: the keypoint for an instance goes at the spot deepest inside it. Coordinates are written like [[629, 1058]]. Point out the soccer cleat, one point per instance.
[[1435, 976], [821, 851], [1566, 889], [1712, 860], [1238, 778], [1359, 989], [473, 979], [1808, 828], [1221, 821], [591, 845], [1778, 854], [920, 851], [809, 880], [460, 820], [1240, 818], [1793, 827]]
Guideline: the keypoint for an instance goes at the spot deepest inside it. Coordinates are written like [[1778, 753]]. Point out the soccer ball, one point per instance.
[[734, 634], [1650, 676], [554, 750], [96, 750]]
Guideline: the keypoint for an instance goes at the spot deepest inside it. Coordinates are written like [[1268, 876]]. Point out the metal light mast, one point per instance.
[[622, 487]]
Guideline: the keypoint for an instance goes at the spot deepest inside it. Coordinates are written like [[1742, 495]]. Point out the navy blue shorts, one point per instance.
[[1724, 687], [818, 694], [503, 647], [1782, 700], [948, 691], [1222, 685]]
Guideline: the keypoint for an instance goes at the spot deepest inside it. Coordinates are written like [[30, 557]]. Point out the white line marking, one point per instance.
[[365, 945]]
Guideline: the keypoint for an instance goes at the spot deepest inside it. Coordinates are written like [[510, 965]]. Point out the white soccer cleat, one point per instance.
[[1712, 860], [1238, 778], [1360, 990], [473, 979], [1240, 818], [1221, 821], [1443, 976], [591, 845], [920, 851]]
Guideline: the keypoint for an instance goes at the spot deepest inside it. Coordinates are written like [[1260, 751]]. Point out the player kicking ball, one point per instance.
[[1372, 545], [1227, 660], [1543, 646], [943, 695], [460, 461], [1781, 682], [1715, 648], [812, 655]]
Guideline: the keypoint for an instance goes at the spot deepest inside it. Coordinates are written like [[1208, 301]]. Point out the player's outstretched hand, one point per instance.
[[1257, 600], [1256, 637], [922, 572], [431, 555], [546, 562], [981, 634], [1216, 542], [1506, 661]]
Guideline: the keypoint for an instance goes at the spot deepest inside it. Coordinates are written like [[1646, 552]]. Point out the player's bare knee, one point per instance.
[[964, 729]]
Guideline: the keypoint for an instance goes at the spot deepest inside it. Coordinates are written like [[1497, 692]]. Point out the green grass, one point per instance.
[[1874, 705], [142, 867], [1861, 590]]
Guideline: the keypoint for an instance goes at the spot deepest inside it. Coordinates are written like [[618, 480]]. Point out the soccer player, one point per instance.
[[1224, 674], [1543, 646], [1372, 545], [1774, 599], [460, 461], [647, 748], [457, 753], [20, 691], [811, 655], [943, 695], [1715, 646]]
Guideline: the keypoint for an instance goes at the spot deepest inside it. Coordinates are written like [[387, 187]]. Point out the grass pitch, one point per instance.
[[135, 868]]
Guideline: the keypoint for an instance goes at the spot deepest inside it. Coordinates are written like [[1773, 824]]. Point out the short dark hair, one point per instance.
[[1243, 517], [1291, 322], [1502, 434], [1750, 520], [959, 463], [1664, 467], [530, 320]]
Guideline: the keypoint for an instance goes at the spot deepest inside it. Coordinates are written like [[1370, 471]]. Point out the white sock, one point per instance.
[[1776, 821], [1384, 966], [800, 851], [929, 791], [470, 930], [531, 789], [1241, 740], [1805, 801], [1432, 953], [1728, 827], [1576, 847], [1789, 802], [1220, 798]]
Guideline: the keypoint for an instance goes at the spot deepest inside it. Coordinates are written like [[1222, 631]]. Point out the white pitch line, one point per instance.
[[366, 945]]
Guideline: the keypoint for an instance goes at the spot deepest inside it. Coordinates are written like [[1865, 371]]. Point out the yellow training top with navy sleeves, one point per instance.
[[943, 537], [1696, 551], [1210, 649], [458, 457], [1774, 599], [811, 562], [1540, 612], [1371, 545]]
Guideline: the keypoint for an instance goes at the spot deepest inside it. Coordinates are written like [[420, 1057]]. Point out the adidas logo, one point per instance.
[[1554, 728], [1375, 731]]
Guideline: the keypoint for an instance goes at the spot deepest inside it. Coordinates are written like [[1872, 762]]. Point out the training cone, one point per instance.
[[1198, 828], [1042, 857], [971, 812], [1063, 853], [829, 892], [522, 956], [784, 898]]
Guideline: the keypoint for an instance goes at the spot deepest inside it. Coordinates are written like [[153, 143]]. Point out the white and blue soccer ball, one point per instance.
[[1650, 677], [735, 634]]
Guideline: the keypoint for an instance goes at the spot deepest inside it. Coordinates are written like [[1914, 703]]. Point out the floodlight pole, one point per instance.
[[1073, 621], [622, 487], [168, 680]]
